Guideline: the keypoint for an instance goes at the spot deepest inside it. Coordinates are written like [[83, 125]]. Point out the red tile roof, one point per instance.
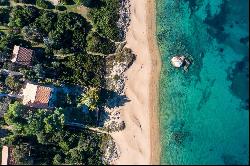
[[24, 56], [42, 97]]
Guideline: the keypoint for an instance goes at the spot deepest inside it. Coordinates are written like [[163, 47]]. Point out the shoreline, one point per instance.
[[155, 78], [139, 142]]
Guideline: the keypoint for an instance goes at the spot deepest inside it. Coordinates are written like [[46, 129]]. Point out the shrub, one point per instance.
[[44, 4]]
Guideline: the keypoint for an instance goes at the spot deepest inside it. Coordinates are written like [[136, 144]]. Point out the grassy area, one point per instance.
[[3, 29], [78, 9]]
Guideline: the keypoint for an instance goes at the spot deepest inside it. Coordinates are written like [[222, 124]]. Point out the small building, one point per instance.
[[7, 155], [22, 56], [37, 96]]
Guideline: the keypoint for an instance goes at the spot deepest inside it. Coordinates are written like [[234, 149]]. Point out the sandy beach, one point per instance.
[[139, 141]]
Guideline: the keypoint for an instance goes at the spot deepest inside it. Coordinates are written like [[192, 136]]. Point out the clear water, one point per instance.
[[204, 113]]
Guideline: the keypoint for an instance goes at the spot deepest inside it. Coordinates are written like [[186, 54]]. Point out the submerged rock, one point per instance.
[[179, 137], [178, 61]]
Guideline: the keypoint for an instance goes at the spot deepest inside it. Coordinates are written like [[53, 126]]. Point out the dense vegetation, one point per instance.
[[105, 19], [69, 51], [37, 130], [99, 44]]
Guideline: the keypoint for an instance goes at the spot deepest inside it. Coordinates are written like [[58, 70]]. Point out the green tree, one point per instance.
[[96, 43], [21, 154], [44, 4], [12, 83], [105, 19], [46, 21], [57, 160], [90, 98], [36, 121], [39, 71], [8, 41], [54, 121], [45, 120], [32, 33], [79, 40], [23, 15], [84, 70], [16, 114]]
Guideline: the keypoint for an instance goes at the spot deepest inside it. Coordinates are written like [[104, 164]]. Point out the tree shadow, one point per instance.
[[93, 3], [112, 99], [4, 133]]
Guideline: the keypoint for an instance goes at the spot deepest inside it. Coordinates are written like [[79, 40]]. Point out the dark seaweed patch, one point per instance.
[[221, 50], [230, 159], [240, 80], [244, 40], [192, 5], [179, 137], [216, 23]]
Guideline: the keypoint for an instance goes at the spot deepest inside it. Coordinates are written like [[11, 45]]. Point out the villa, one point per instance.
[[7, 156], [37, 96], [22, 56]]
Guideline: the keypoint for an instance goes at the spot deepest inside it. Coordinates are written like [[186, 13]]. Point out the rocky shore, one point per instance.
[[117, 64], [124, 19]]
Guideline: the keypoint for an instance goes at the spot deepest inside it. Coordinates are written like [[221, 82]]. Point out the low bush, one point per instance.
[[44, 4]]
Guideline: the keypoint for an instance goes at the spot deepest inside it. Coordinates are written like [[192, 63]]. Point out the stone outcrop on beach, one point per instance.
[[112, 152], [115, 123], [117, 64], [124, 18]]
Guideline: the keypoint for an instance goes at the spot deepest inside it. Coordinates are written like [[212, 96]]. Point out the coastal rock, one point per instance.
[[177, 61], [117, 64], [124, 19], [112, 152], [115, 123]]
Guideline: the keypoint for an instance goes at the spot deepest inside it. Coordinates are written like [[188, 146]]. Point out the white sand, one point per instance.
[[139, 141]]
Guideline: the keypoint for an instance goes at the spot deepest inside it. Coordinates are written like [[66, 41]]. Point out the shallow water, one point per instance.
[[204, 113]]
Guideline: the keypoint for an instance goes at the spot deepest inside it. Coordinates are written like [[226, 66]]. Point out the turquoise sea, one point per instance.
[[204, 113]]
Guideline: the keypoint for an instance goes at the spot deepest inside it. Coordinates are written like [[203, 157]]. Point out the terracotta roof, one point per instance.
[[22, 55], [7, 155], [36, 96], [42, 97]]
